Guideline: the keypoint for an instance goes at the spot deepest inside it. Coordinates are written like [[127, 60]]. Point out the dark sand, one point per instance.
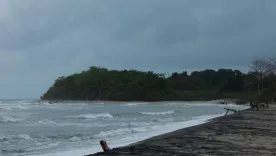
[[246, 133]]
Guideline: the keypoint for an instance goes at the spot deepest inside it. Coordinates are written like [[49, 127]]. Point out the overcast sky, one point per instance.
[[41, 40]]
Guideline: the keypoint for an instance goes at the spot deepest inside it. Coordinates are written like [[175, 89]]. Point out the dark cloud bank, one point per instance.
[[41, 40]]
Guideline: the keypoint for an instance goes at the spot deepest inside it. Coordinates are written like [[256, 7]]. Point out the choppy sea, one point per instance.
[[33, 128]]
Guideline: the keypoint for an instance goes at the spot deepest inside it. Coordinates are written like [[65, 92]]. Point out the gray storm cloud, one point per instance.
[[41, 40]]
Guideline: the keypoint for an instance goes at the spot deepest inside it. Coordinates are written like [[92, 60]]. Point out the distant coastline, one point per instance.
[[101, 84], [216, 101]]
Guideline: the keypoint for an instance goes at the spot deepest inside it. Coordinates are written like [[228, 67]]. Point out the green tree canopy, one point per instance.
[[98, 83]]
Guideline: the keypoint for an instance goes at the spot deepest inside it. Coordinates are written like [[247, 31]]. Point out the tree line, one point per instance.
[[264, 71], [98, 83]]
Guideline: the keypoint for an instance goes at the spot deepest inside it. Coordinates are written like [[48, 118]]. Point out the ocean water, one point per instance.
[[31, 128]]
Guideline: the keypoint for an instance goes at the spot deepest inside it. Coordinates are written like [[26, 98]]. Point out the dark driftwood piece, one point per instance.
[[264, 105], [104, 146], [229, 109], [258, 105], [254, 105]]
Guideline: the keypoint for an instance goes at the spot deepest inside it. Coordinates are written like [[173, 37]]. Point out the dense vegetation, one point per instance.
[[132, 85]]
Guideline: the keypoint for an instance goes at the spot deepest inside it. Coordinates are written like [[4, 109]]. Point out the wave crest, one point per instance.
[[47, 122], [93, 116], [44, 146], [9, 119], [157, 113], [15, 137], [134, 104], [73, 139], [119, 132], [12, 106]]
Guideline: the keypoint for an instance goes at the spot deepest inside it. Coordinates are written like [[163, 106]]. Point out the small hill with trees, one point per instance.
[[98, 83]]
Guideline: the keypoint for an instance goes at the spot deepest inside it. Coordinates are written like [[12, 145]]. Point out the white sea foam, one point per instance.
[[98, 103], [129, 104], [12, 106], [129, 127], [5, 108], [199, 104], [174, 103], [134, 104], [45, 103], [24, 136], [157, 113], [134, 137], [206, 116], [8, 119], [119, 132], [26, 102], [68, 124], [15, 137], [47, 122], [162, 120], [74, 139], [93, 116], [44, 146]]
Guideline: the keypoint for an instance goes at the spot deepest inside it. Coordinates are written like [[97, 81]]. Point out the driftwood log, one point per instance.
[[229, 109], [104, 146], [258, 105], [254, 105], [264, 105]]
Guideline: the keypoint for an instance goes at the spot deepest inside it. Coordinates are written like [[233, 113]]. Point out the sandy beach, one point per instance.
[[246, 133]]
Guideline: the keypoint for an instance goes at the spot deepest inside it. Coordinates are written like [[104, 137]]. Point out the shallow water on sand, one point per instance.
[[33, 128]]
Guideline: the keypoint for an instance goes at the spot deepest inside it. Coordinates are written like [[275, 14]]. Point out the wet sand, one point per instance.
[[246, 133]]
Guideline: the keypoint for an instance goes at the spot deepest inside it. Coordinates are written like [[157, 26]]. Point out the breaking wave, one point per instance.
[[206, 117], [174, 104], [44, 146], [15, 138], [73, 139], [99, 103], [119, 132], [24, 136], [129, 104], [157, 113], [11, 106], [47, 122], [93, 116], [9, 119]]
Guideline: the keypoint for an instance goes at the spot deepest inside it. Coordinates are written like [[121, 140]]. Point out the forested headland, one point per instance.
[[98, 83]]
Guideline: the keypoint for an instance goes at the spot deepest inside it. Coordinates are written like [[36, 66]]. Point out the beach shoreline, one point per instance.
[[184, 115], [244, 133], [215, 101]]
